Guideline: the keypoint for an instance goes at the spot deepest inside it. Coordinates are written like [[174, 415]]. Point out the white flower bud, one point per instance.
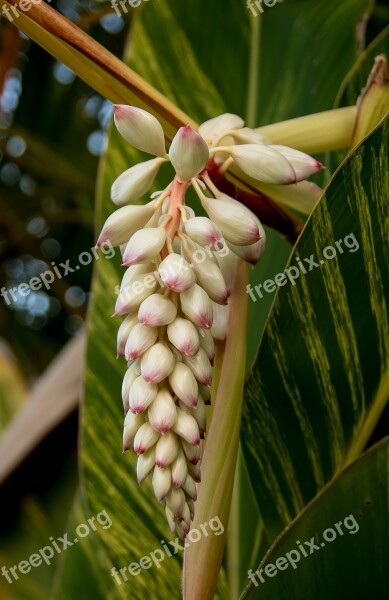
[[237, 223], [142, 395], [140, 129], [251, 253], [207, 343], [132, 295], [170, 519], [136, 181], [179, 469], [187, 428], [203, 231], [144, 245], [124, 331], [190, 504], [220, 321], [145, 464], [263, 163], [157, 363], [200, 366], [162, 413], [214, 128], [167, 449], [145, 438], [162, 482], [157, 310], [128, 379], [250, 136], [176, 273], [184, 384], [183, 527], [188, 154], [132, 424], [205, 394], [303, 164], [124, 222], [132, 272], [140, 339], [189, 488], [197, 306], [175, 500], [211, 279], [191, 452], [195, 472], [184, 336], [199, 413]]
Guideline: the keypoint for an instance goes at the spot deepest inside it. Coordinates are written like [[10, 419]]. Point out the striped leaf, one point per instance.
[[341, 522], [321, 380]]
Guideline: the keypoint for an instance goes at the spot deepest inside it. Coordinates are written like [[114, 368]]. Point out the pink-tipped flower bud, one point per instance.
[[207, 343], [145, 464], [189, 488], [176, 273], [132, 424], [144, 245], [197, 306], [200, 415], [195, 472], [123, 333], [162, 482], [191, 452], [157, 310], [140, 339], [263, 163], [179, 469], [211, 279], [142, 395], [128, 379], [175, 500], [184, 384], [237, 223], [303, 164], [133, 183], [205, 394], [203, 231], [187, 428], [184, 336], [188, 153], [157, 363], [134, 293], [162, 413], [200, 366], [145, 438], [124, 222], [252, 253], [140, 129], [167, 449]]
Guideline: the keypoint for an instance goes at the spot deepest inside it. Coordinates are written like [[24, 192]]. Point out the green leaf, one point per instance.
[[321, 378], [343, 519]]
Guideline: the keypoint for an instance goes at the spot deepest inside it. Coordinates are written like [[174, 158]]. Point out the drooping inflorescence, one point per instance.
[[175, 289]]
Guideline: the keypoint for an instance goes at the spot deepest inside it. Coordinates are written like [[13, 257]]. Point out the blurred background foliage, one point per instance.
[[52, 133]]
